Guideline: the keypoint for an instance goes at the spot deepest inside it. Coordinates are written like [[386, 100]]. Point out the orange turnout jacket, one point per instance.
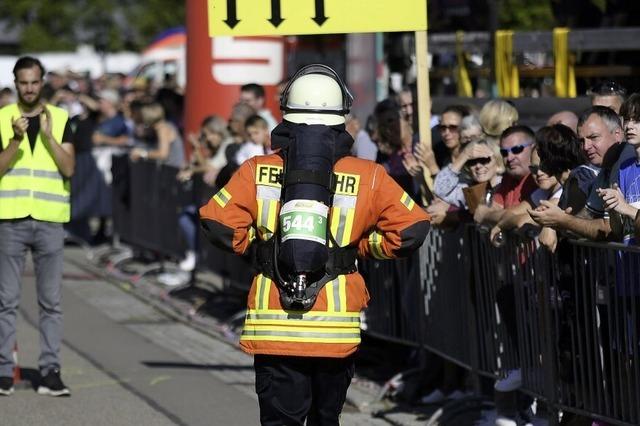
[[370, 211]]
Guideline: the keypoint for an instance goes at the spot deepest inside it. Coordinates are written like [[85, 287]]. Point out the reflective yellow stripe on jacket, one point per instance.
[[333, 325], [33, 186]]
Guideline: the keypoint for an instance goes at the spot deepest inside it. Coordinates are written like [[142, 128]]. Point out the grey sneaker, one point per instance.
[[6, 386], [52, 385]]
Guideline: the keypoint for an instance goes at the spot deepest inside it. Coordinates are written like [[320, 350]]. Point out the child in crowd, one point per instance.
[[259, 142]]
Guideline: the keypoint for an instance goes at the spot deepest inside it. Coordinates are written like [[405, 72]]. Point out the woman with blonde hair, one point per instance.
[[169, 148], [479, 162], [496, 116]]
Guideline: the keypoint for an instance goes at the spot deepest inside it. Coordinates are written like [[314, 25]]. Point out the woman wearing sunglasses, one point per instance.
[[549, 188], [479, 162]]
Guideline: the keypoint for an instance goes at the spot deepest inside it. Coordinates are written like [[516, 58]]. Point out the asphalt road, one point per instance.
[[128, 364]]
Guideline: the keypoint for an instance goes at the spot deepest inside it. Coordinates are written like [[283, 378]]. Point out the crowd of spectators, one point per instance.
[[577, 176], [486, 166]]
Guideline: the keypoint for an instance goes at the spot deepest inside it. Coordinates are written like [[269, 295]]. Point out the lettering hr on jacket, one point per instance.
[[346, 184]]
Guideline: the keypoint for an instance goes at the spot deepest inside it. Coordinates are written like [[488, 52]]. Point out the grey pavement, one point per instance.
[[127, 362]]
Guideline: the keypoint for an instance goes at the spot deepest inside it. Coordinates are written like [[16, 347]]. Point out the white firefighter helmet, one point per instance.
[[316, 95]]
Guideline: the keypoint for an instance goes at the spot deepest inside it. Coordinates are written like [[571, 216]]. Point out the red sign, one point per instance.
[[218, 66]]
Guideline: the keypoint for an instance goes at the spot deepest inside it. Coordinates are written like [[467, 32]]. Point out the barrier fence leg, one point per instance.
[[468, 299], [549, 357]]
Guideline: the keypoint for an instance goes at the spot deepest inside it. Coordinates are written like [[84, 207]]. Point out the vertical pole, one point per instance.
[[424, 113], [382, 87], [424, 99], [493, 27]]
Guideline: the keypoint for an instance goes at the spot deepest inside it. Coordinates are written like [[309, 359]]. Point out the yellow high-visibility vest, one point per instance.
[[33, 185]]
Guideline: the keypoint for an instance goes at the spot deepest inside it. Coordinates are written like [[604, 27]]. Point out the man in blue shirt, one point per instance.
[[624, 198]]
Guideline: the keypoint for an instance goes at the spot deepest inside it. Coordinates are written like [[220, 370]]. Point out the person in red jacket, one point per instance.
[[303, 324]]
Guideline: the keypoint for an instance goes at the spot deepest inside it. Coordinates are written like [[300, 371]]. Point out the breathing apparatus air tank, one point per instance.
[[314, 100]]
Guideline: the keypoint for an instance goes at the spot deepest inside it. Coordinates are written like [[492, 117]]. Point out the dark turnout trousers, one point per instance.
[[292, 389]]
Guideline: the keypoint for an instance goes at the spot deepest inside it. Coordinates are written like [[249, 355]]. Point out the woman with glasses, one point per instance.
[[449, 129], [478, 163], [549, 188]]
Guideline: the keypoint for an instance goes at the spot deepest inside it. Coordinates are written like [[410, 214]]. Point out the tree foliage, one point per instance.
[[46, 25], [525, 15]]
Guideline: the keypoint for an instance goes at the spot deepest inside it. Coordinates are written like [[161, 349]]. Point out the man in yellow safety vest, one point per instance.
[[36, 161]]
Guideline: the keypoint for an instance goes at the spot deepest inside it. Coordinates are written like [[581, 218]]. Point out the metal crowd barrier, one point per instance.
[[148, 200], [603, 324], [568, 320], [147, 203]]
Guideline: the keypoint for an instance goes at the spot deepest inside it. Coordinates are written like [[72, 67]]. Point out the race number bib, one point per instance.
[[304, 220]]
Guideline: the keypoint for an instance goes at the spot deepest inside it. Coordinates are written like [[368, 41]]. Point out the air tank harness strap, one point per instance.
[[342, 261], [327, 180]]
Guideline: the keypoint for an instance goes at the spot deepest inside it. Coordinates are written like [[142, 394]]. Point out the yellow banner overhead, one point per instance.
[[286, 17]]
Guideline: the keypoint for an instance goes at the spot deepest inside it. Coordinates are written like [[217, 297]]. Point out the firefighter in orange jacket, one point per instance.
[[311, 209]]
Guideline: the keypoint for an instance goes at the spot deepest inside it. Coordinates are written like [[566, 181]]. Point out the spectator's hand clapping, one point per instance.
[[421, 153], [45, 123], [411, 164], [19, 126], [426, 158], [548, 214], [614, 200]]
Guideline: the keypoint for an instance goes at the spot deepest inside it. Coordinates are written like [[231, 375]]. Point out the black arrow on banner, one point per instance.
[[320, 18], [276, 18], [232, 19]]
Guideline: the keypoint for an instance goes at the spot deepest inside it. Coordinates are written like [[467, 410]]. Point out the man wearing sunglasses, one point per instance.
[[517, 184]]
